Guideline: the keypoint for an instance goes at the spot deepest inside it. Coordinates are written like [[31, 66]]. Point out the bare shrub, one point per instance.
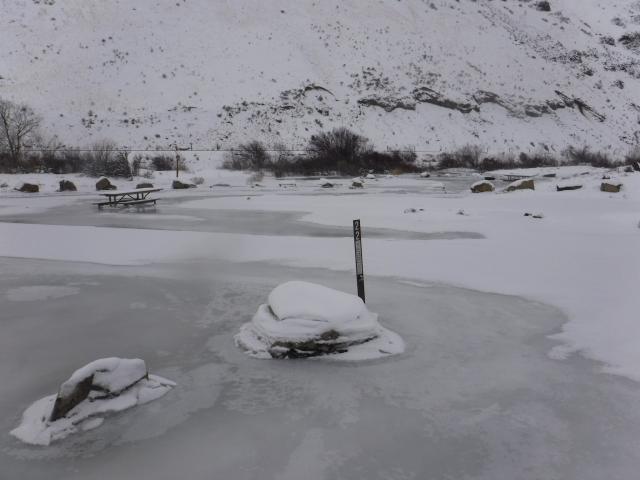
[[584, 156], [536, 160], [163, 162], [468, 156], [18, 124], [105, 159], [255, 177]]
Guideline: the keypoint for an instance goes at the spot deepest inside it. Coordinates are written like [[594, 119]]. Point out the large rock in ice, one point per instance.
[[108, 377], [105, 385], [306, 320]]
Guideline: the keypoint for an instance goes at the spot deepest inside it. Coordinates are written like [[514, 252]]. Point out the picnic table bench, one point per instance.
[[512, 177], [138, 196]]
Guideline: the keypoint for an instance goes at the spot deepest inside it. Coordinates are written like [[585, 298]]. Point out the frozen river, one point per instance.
[[475, 395]]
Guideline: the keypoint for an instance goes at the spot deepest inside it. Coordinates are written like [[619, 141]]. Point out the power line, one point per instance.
[[196, 150]]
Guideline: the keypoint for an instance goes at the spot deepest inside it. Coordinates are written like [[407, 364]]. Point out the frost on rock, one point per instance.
[[307, 320], [104, 385]]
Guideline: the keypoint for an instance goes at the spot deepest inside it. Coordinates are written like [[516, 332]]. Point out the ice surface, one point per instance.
[[474, 395]]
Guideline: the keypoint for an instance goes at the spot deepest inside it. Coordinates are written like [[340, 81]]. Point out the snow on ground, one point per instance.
[[582, 257], [299, 312], [122, 384]]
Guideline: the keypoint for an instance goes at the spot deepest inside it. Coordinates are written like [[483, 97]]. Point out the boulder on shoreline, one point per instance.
[[522, 184], [29, 188], [610, 187], [67, 186], [105, 184], [178, 185], [482, 186]]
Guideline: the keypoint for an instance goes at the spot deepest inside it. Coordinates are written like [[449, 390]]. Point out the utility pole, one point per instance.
[[190, 147], [177, 162]]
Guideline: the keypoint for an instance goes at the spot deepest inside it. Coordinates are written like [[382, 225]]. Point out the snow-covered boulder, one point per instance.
[[522, 184], [303, 319], [370, 176], [108, 376], [104, 385], [482, 186], [425, 174]]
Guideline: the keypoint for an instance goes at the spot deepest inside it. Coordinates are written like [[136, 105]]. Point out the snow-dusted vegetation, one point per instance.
[[433, 75]]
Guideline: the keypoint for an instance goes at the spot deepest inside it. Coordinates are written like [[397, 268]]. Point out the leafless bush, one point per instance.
[[584, 156]]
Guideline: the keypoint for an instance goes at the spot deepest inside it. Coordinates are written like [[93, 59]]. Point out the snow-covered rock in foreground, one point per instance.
[[104, 385], [307, 320]]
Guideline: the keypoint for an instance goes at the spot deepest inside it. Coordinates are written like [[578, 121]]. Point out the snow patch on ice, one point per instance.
[[39, 292]]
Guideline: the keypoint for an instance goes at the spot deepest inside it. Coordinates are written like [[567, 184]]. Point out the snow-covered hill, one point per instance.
[[430, 74]]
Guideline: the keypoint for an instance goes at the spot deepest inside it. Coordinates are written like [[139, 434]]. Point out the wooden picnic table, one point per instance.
[[509, 177], [127, 198]]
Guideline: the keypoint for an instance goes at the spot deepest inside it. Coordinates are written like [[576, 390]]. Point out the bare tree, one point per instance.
[[18, 123]]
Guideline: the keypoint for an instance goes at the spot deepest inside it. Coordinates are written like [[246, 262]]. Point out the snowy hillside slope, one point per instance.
[[429, 74]]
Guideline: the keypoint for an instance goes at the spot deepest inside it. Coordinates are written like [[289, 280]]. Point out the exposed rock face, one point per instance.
[[610, 187], [325, 344], [144, 185], [526, 184], [427, 95], [104, 184], [389, 104], [67, 186], [480, 187], [178, 185], [29, 188], [65, 403]]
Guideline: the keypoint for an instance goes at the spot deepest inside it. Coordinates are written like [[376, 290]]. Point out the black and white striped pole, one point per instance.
[[357, 240]]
